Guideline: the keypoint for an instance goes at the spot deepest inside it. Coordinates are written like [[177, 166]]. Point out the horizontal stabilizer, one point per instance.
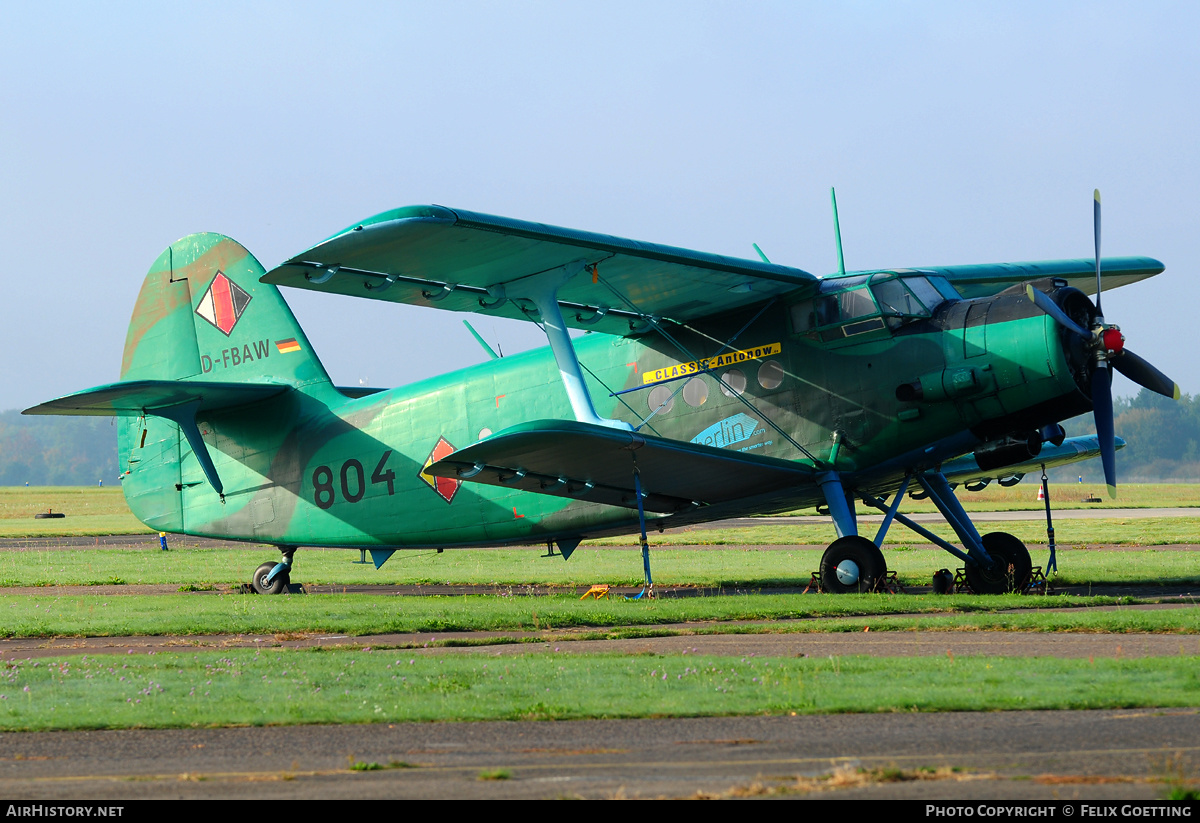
[[463, 261], [133, 398], [176, 400], [1074, 449], [593, 463]]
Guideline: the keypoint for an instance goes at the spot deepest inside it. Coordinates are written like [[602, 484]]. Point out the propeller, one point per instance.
[[1141, 372], [1102, 411], [1106, 348]]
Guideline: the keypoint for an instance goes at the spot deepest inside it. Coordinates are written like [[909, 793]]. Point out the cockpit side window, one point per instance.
[[804, 317], [894, 299], [906, 298], [856, 303], [851, 312], [925, 292]]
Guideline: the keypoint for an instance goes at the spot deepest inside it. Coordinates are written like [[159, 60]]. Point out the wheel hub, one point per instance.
[[847, 572]]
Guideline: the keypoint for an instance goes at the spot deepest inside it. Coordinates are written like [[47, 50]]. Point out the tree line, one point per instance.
[[57, 451], [1162, 440]]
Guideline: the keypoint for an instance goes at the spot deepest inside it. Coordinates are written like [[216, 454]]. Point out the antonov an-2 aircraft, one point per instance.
[[703, 388]]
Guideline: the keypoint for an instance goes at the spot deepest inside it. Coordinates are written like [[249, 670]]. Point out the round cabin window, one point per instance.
[[695, 392], [733, 383], [661, 399], [770, 375]]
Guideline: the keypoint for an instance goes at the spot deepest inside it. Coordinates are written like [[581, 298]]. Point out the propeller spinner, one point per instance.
[[1106, 347]]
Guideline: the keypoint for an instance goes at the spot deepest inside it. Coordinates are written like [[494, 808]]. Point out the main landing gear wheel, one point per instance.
[[260, 584], [852, 564], [1010, 570]]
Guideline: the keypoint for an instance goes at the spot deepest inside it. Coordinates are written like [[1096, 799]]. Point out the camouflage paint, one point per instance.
[[314, 466]]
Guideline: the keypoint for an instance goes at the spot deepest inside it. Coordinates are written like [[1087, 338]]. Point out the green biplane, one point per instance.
[[704, 387]]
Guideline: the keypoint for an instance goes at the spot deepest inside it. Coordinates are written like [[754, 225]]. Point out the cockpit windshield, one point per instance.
[[888, 298]]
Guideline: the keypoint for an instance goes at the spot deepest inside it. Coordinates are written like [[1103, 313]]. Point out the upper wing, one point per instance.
[[596, 464], [458, 260], [990, 278]]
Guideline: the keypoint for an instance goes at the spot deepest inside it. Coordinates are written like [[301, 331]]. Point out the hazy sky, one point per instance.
[[954, 132]]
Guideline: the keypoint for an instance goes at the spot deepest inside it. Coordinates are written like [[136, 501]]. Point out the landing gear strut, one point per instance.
[[851, 563], [273, 578], [995, 563]]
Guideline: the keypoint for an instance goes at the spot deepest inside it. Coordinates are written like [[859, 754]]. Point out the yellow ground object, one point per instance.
[[596, 592]]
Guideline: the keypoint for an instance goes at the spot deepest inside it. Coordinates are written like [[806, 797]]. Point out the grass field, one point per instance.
[[99, 511], [360, 614], [236, 687], [742, 568], [90, 510], [288, 687]]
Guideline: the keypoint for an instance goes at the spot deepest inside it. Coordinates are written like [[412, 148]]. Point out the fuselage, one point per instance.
[[868, 377]]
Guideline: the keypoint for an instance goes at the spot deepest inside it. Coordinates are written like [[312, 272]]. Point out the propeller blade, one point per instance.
[[1102, 409], [1142, 373], [1096, 221], [1043, 302]]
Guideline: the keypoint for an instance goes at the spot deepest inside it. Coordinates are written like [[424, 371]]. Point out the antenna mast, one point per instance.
[[837, 231]]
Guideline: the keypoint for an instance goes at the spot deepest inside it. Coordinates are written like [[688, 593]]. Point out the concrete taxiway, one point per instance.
[[1134, 755]]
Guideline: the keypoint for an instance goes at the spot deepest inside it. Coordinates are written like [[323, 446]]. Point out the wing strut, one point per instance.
[[542, 291], [184, 416], [1052, 563], [648, 589]]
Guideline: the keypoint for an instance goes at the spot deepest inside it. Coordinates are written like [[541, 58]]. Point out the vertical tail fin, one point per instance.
[[205, 335], [203, 315]]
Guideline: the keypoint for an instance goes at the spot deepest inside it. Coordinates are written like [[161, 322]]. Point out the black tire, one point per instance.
[[259, 582], [1010, 569], [48, 515], [865, 567], [943, 582]]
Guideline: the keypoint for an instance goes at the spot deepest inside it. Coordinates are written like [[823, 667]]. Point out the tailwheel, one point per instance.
[[852, 564], [1010, 568], [276, 585]]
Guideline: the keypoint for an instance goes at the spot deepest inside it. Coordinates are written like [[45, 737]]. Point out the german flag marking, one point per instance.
[[288, 345]]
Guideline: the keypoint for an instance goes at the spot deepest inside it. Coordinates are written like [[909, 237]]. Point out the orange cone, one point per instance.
[[1041, 493]]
